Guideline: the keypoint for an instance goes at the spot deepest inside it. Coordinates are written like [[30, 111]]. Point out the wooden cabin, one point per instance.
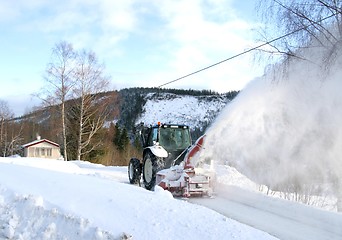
[[42, 148]]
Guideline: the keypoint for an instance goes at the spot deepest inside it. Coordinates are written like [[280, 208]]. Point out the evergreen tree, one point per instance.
[[124, 140], [137, 143], [117, 134]]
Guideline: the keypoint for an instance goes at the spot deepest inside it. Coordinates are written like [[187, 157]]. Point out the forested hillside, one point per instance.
[[114, 143]]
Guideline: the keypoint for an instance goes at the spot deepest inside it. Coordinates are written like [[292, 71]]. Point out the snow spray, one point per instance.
[[284, 129]]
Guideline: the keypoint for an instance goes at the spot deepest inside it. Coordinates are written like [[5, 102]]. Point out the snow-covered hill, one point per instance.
[[195, 111]]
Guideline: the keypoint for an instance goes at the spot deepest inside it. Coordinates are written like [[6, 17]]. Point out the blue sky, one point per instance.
[[143, 43]]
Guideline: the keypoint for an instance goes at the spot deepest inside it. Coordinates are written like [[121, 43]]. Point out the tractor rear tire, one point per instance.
[[134, 171], [151, 165]]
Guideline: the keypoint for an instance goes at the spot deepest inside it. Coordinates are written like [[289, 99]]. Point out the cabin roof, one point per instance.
[[35, 142]]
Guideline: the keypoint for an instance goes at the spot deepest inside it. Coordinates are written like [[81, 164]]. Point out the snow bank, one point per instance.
[[28, 217]]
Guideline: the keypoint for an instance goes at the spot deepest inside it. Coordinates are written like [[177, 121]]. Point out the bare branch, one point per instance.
[[90, 81], [318, 20]]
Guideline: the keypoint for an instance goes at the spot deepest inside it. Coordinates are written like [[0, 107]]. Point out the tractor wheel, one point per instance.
[[134, 171], [151, 165]]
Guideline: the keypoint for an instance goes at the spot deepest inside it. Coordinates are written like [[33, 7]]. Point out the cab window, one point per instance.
[[153, 136]]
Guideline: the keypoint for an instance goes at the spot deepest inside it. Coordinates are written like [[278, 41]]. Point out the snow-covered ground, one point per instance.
[[51, 199]]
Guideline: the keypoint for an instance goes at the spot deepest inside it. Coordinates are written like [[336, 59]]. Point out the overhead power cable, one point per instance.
[[248, 50]]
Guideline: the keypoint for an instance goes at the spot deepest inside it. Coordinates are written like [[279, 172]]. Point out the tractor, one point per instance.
[[166, 162]]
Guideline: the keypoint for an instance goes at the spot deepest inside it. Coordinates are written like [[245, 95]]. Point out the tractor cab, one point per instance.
[[175, 139]]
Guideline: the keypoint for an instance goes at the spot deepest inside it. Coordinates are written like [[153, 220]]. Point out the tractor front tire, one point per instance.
[[134, 171], [151, 165]]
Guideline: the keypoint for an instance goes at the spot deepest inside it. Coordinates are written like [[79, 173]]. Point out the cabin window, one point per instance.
[[49, 152], [36, 150]]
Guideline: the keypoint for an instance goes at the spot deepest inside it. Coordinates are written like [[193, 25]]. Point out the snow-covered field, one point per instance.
[[51, 199]]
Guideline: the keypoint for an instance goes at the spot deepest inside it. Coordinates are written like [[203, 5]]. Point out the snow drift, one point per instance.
[[283, 129]]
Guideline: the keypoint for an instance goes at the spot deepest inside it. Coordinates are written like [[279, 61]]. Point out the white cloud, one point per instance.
[[11, 10], [6, 12], [118, 15], [199, 35]]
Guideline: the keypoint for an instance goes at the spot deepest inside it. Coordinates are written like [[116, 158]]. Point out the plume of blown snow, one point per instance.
[[284, 129]]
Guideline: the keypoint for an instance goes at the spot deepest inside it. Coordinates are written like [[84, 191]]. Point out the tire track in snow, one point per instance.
[[280, 218]]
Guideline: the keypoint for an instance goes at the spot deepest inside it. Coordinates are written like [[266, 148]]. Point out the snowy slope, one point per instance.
[[50, 199], [195, 111]]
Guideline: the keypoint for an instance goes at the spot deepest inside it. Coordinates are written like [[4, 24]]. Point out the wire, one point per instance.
[[247, 51]]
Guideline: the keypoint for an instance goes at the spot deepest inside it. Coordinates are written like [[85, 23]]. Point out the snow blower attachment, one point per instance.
[[167, 155]]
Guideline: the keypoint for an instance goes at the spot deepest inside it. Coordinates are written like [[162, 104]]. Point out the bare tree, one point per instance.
[[4, 117], [90, 109], [301, 21], [9, 137], [59, 76]]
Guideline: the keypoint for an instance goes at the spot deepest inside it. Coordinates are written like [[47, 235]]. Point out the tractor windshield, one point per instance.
[[174, 138]]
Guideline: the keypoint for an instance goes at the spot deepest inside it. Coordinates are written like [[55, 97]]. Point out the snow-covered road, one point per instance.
[[278, 217]]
